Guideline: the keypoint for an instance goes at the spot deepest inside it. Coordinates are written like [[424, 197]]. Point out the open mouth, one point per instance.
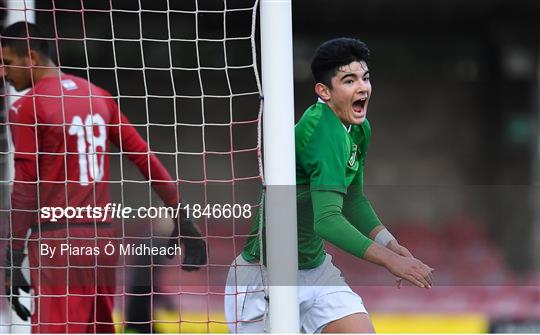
[[359, 105]]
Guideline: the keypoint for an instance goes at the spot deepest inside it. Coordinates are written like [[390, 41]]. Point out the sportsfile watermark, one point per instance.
[[113, 211]]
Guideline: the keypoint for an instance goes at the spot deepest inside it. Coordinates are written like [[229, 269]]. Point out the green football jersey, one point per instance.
[[329, 157]]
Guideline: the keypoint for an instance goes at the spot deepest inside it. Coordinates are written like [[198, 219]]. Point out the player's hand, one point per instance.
[[194, 246], [399, 249], [402, 251], [412, 270], [15, 281]]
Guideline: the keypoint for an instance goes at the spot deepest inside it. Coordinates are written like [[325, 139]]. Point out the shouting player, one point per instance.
[[61, 132], [332, 139]]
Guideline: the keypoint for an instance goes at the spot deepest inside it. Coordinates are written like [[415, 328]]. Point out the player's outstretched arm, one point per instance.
[[407, 268], [185, 231], [382, 236], [332, 226], [358, 210], [135, 148]]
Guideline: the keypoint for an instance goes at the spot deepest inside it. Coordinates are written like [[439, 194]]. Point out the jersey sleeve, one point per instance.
[[324, 160], [356, 207], [331, 225], [131, 144], [23, 130]]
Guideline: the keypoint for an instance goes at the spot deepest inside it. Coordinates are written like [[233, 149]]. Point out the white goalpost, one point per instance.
[[279, 165]]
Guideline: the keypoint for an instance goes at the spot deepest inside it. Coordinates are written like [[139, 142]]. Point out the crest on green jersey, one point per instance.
[[353, 155]]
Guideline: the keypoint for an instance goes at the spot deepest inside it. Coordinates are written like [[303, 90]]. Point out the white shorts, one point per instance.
[[324, 296]]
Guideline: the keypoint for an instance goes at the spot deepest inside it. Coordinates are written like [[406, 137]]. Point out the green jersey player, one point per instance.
[[332, 139]]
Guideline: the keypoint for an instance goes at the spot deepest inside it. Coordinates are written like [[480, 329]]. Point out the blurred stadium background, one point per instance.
[[453, 167]]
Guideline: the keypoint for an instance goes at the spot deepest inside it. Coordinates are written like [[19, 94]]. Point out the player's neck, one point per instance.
[[334, 109], [46, 70]]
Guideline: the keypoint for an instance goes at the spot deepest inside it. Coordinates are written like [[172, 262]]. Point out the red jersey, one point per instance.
[[61, 132]]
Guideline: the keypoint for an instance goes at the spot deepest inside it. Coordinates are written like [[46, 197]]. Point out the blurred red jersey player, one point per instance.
[[61, 132]]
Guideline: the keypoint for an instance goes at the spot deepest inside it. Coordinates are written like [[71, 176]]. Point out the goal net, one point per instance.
[[185, 75]]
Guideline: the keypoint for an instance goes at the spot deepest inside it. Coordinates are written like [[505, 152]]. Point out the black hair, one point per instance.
[[20, 35], [335, 53]]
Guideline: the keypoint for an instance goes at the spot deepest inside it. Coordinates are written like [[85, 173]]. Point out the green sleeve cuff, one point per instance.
[[331, 225]]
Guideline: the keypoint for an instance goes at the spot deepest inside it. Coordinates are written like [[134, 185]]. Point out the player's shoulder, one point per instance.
[[74, 83], [70, 82], [319, 118], [318, 128], [367, 127], [366, 124], [77, 86], [309, 119], [307, 125], [362, 130]]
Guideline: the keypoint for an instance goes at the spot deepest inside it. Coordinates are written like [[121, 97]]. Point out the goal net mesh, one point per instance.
[[185, 74]]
